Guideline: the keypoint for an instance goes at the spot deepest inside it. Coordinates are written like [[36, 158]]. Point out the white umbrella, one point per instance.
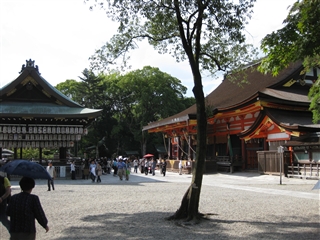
[[7, 151]]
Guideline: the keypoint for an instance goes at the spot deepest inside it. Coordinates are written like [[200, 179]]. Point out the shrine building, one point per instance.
[[34, 114], [243, 121]]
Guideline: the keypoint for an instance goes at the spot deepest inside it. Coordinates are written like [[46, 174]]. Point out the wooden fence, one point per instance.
[[304, 171]]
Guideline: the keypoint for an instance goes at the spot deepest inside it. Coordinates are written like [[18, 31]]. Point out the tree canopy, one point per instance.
[[208, 34], [299, 39], [129, 101]]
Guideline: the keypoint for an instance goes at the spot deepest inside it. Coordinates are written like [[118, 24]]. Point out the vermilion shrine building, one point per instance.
[[259, 116]]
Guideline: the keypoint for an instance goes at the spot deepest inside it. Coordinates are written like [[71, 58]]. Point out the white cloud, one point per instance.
[[61, 35]]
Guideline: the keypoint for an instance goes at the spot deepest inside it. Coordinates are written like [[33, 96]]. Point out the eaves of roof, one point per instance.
[[289, 120], [26, 109], [168, 121], [293, 120], [284, 96]]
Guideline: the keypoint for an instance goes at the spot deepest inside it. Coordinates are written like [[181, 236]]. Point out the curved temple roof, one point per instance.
[[30, 95], [230, 96]]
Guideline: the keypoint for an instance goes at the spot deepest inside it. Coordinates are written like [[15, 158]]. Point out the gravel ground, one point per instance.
[[240, 206]]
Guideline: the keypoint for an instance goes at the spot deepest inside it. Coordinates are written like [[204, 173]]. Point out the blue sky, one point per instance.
[[60, 35]]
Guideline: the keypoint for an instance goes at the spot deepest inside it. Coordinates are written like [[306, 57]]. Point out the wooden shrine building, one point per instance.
[[259, 116], [33, 114]]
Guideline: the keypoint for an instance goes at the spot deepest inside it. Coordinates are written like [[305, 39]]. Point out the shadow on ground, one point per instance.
[[152, 225]]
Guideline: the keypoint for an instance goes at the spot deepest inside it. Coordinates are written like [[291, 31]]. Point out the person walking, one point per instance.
[[115, 167], [128, 168], [5, 191], [135, 165], [180, 167], [83, 165], [73, 171], [153, 166], [99, 172], [23, 209], [52, 172], [164, 167], [121, 169], [92, 169], [108, 166], [146, 166]]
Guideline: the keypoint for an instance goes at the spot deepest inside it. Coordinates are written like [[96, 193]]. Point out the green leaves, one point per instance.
[[299, 39], [208, 33]]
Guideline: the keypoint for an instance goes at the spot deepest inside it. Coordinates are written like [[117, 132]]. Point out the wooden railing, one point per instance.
[[304, 171]]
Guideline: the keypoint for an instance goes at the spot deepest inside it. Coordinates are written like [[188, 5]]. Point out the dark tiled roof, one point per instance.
[[290, 120], [229, 94], [52, 102], [32, 72]]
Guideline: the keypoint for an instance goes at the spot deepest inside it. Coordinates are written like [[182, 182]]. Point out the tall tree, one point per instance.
[[129, 102], [209, 34], [299, 39], [147, 95], [72, 89]]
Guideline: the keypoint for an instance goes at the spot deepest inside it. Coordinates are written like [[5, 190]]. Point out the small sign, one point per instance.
[[62, 171]]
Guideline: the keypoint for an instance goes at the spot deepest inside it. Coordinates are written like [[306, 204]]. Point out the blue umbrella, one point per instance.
[[316, 186], [25, 168]]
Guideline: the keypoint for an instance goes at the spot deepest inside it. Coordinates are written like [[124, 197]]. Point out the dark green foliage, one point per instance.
[[299, 39], [128, 103]]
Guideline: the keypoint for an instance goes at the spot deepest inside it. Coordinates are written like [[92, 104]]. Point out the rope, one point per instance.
[[164, 143], [188, 142], [181, 149]]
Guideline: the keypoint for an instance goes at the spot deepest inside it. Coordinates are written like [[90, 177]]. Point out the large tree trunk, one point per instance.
[[189, 208]]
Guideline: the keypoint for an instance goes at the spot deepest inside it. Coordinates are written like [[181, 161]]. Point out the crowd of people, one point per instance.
[[120, 167]]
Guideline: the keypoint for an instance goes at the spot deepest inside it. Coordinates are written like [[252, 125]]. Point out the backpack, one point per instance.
[[3, 190]]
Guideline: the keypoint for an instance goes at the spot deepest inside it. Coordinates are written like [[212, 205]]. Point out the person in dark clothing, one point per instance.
[[73, 170], [153, 166], [5, 191], [164, 167], [23, 209]]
